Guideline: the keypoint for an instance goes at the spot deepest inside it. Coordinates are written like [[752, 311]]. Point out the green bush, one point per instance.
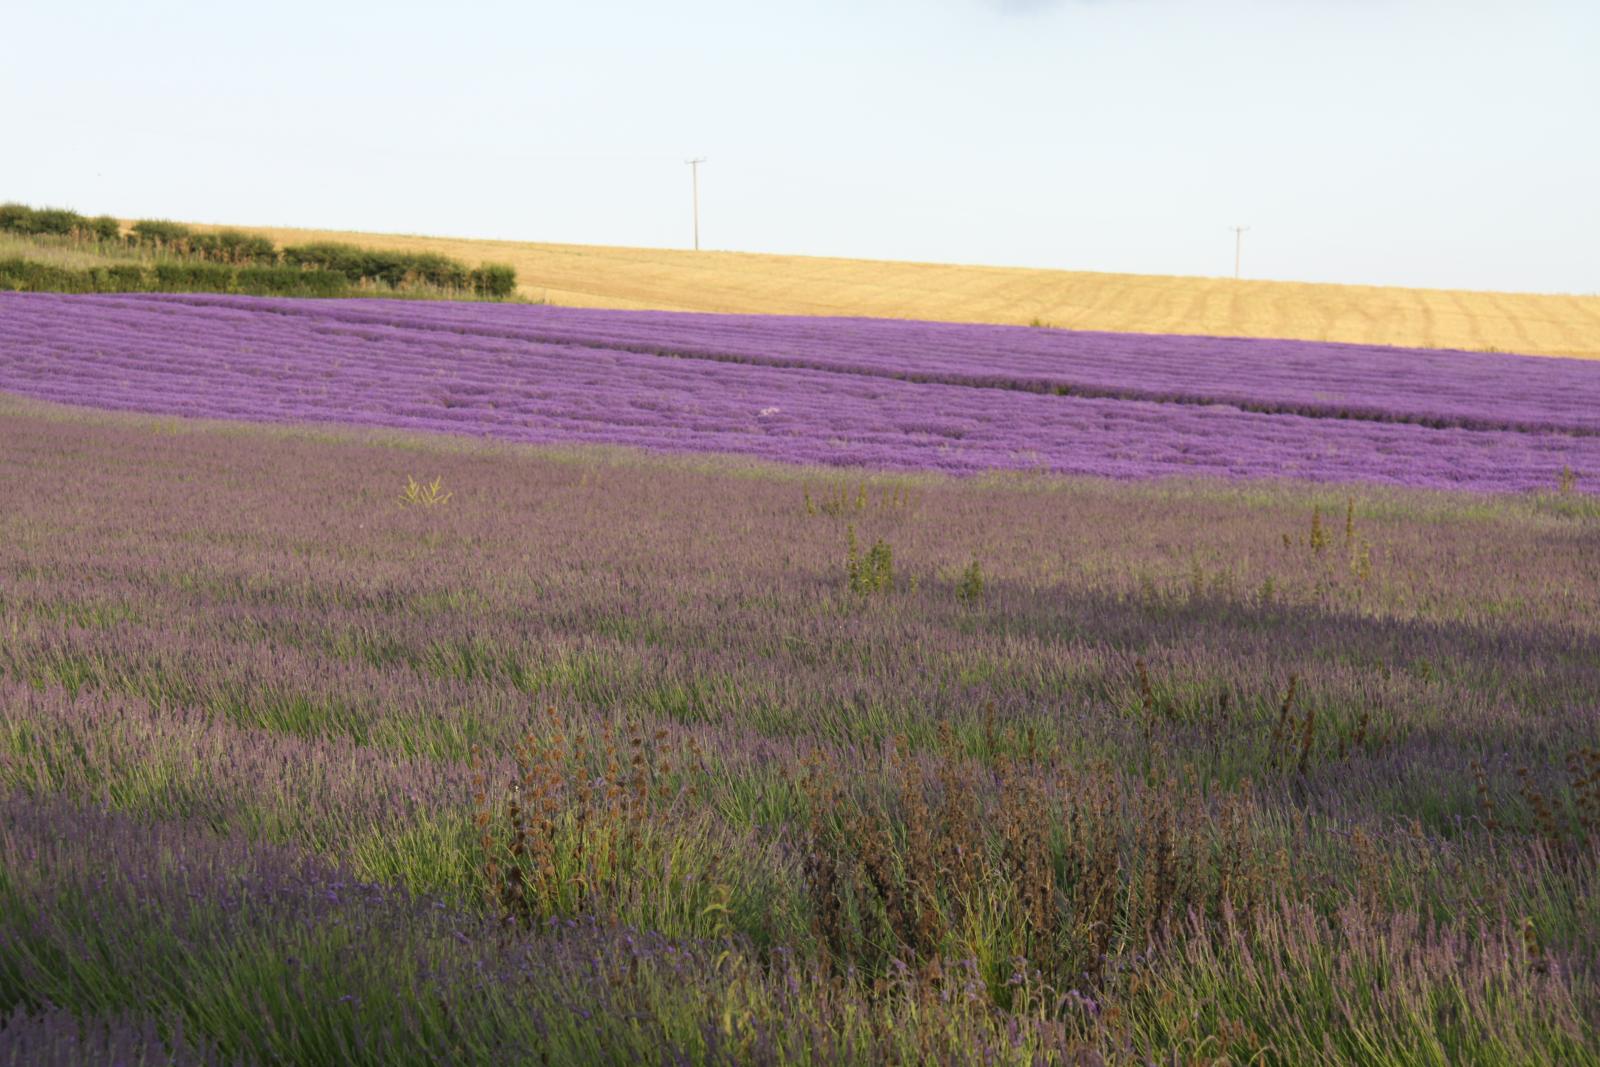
[[398, 269], [126, 278], [43, 222], [105, 228], [390, 268], [161, 234], [494, 281], [327, 255], [323, 283], [235, 247], [290, 281], [27, 276], [440, 271], [58, 222], [193, 278], [16, 218]]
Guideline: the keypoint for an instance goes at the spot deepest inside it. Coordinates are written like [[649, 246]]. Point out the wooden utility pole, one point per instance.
[[1238, 245], [694, 177]]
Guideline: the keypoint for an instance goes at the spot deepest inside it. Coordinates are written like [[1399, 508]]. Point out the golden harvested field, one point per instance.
[[594, 276]]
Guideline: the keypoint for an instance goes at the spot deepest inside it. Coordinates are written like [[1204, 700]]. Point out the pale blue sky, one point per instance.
[[1445, 143]]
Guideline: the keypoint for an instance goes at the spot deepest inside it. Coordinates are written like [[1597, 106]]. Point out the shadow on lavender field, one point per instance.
[[619, 758]]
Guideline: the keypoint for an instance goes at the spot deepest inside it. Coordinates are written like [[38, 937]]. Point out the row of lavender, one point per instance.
[[809, 391], [1471, 390]]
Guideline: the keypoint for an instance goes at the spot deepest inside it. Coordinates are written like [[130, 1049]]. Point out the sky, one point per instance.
[[1439, 143]]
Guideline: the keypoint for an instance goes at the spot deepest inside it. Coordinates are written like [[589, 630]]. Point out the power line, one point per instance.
[[1238, 245], [694, 177]]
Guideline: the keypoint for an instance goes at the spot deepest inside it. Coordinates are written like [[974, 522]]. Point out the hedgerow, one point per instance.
[[399, 269], [232, 261], [26, 221], [169, 277]]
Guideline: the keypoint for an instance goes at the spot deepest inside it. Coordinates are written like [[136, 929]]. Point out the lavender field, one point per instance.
[[888, 395], [622, 757]]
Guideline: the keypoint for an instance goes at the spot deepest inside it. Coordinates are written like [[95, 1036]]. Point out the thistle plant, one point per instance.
[[1360, 561], [1319, 535], [872, 573], [425, 495], [970, 589]]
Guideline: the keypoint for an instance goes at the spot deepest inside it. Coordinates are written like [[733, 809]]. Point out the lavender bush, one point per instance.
[[55, 1037], [603, 759]]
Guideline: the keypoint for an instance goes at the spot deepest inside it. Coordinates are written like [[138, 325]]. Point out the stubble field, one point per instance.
[[750, 283]]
